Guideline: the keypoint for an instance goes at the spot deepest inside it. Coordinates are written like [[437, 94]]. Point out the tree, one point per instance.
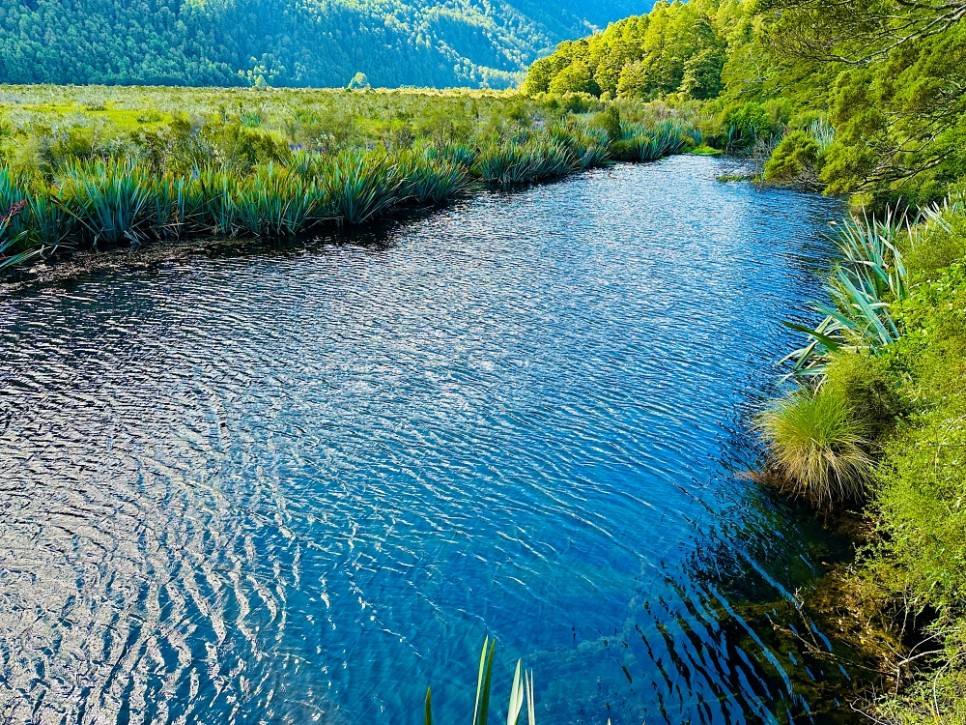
[[359, 81]]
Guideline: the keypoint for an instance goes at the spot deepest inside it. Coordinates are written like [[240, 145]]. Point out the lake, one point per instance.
[[301, 484]]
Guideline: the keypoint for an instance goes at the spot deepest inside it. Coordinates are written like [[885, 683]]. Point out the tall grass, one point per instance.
[[509, 164], [643, 143], [819, 450], [276, 202]]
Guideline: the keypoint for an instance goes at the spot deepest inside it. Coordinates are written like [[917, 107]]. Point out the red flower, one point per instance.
[[15, 208]]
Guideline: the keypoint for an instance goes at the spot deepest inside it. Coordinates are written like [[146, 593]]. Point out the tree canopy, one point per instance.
[[885, 78]]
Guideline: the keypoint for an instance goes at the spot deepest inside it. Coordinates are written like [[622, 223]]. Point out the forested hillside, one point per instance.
[[288, 42]]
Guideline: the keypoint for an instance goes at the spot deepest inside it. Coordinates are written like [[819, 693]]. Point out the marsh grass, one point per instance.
[[282, 164]]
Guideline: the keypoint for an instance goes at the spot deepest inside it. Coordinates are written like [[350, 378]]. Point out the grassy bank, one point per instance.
[[877, 419], [85, 172]]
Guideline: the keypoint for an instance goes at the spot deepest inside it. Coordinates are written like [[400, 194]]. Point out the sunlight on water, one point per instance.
[[296, 485]]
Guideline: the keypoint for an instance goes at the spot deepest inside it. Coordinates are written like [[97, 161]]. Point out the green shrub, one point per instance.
[[921, 492], [818, 448], [747, 124], [869, 388], [939, 240], [795, 162]]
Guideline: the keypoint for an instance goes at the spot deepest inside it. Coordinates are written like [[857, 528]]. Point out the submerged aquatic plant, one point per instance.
[[818, 449]]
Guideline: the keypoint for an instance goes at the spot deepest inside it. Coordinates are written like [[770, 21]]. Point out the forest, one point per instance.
[[320, 43]]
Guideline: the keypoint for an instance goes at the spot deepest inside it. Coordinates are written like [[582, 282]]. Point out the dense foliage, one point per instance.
[[866, 98], [85, 172], [875, 90], [321, 43]]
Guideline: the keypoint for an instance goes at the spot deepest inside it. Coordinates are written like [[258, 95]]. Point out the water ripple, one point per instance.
[[300, 484]]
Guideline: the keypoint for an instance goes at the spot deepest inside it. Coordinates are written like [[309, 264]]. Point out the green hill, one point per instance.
[[289, 42]]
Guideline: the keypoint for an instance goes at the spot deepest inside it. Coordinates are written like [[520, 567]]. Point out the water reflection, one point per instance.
[[301, 485]]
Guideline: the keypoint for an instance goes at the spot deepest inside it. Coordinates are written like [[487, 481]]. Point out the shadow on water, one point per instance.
[[300, 482]]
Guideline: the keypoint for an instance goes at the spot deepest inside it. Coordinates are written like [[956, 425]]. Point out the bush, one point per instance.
[[938, 242], [922, 485], [795, 162], [818, 447], [865, 382], [746, 125]]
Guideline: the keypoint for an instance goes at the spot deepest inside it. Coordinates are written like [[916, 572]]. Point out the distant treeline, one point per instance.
[[321, 43]]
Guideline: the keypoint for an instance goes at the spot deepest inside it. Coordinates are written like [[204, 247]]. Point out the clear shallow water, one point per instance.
[[297, 485]]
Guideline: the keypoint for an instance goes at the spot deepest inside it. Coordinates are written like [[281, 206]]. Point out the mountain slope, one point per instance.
[[289, 42]]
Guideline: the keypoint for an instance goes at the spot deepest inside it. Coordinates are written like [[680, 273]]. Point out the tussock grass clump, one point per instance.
[[818, 449], [359, 186]]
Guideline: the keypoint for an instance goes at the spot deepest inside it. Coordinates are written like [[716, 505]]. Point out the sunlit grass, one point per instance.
[[818, 449]]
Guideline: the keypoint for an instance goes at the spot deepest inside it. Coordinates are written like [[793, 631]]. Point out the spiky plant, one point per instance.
[[275, 202], [111, 200], [359, 186], [868, 280], [431, 181], [178, 207], [457, 153], [11, 242], [817, 448], [218, 191], [521, 691], [508, 165]]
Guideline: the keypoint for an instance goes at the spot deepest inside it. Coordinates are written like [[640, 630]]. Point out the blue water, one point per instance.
[[302, 484]]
